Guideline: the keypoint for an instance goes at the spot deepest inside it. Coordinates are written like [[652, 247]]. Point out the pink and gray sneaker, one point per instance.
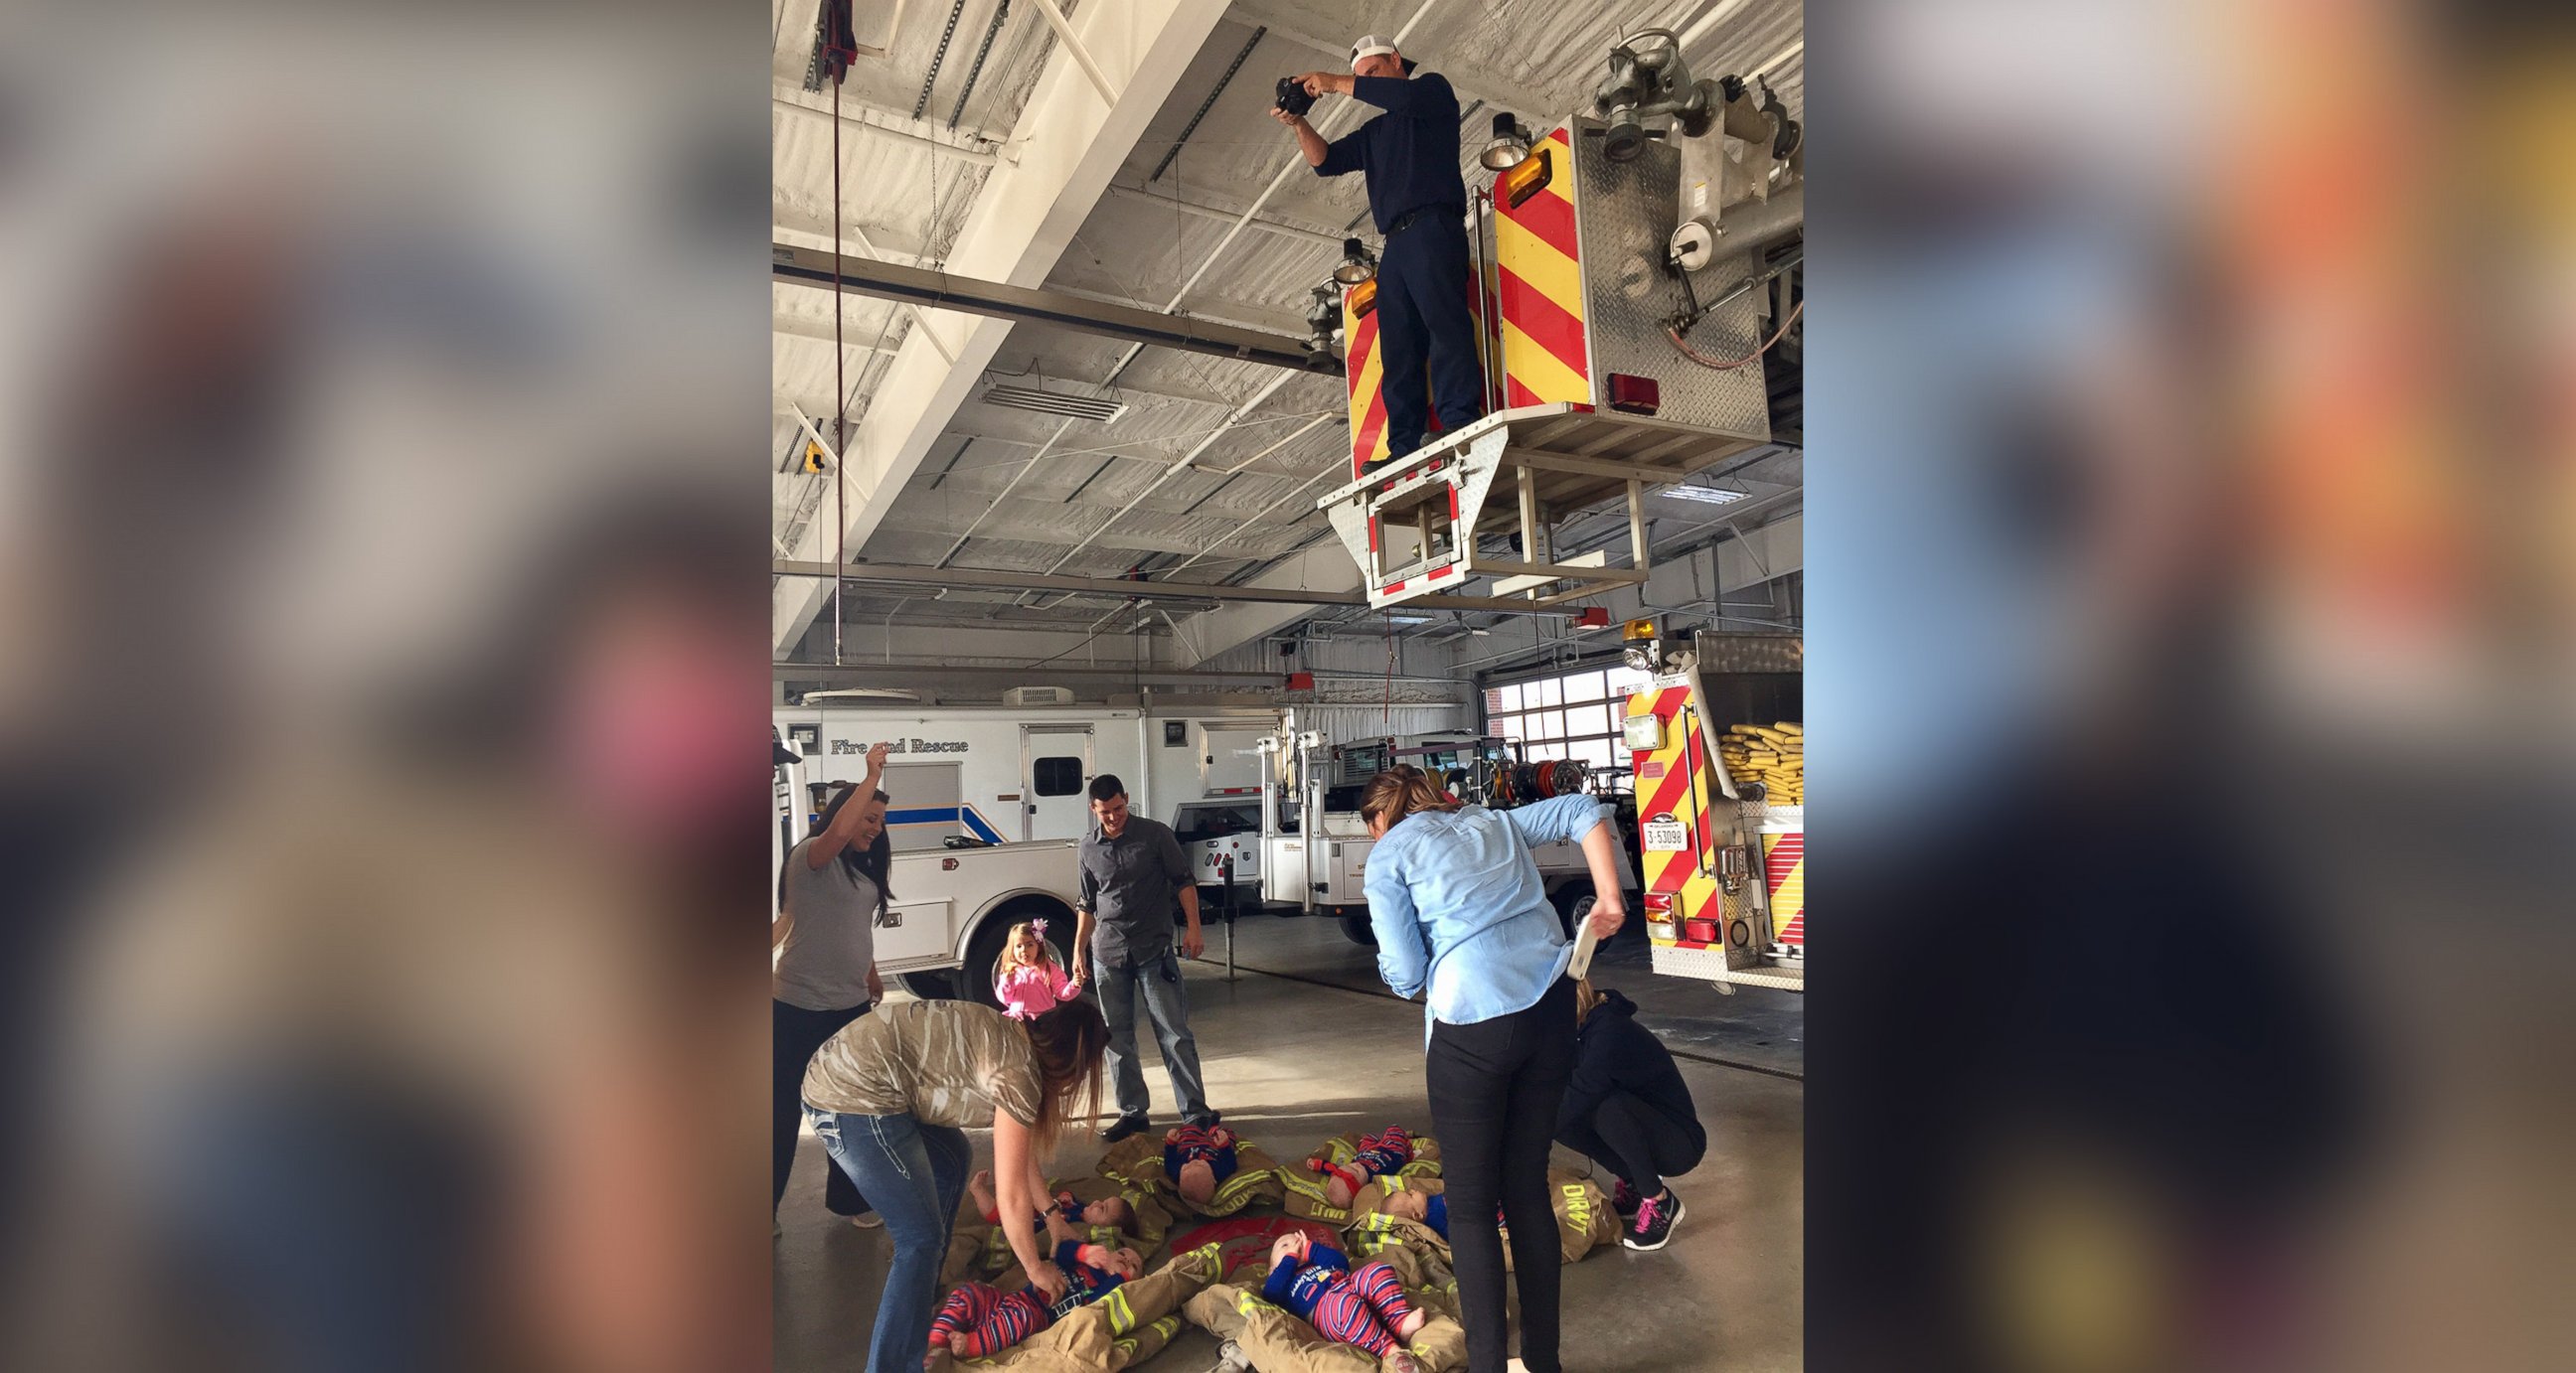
[[1656, 1217]]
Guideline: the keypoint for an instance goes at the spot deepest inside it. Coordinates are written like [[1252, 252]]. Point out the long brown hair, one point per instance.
[[1067, 1043], [1400, 791]]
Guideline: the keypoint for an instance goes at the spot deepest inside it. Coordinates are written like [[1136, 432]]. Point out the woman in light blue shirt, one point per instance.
[[1460, 913]]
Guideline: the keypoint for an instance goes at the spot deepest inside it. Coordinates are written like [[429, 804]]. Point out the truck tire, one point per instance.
[[1572, 901], [1357, 927], [975, 980]]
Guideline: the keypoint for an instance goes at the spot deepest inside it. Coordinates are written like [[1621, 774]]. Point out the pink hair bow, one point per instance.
[[1038, 925]]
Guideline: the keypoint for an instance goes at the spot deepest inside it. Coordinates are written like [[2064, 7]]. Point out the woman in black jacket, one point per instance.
[[1628, 1109]]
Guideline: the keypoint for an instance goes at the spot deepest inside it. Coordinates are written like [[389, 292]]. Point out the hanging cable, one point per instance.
[[840, 389], [1705, 360]]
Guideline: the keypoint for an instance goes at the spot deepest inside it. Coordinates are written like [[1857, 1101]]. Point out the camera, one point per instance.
[[1293, 97]]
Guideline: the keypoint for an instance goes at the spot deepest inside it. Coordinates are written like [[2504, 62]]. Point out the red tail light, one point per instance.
[[1634, 395]]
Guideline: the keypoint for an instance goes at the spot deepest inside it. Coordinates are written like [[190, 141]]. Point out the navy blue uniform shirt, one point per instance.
[[1410, 153]]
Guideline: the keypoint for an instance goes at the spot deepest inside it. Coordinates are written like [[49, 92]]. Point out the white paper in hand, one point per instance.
[[1584, 942]]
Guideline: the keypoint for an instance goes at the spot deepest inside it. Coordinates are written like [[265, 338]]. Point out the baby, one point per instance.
[[1113, 1212], [1197, 1158], [1366, 1309], [1378, 1155], [1411, 1205], [979, 1318], [1027, 980]]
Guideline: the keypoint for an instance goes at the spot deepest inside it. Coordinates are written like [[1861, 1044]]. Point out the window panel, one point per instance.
[[1583, 686], [1549, 693], [1508, 698], [1509, 726], [1597, 752], [1057, 776]]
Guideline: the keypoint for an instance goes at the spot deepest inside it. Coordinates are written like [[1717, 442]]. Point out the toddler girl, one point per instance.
[[1379, 1155], [1028, 981], [1196, 1158], [979, 1318], [1366, 1309]]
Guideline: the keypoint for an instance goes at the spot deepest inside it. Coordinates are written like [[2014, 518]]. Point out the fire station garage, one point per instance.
[[1237, 434]]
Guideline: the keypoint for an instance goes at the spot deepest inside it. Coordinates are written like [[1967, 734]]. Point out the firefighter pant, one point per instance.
[[1423, 326]]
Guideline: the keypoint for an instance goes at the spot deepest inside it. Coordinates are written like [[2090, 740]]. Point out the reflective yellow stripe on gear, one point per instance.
[[1247, 1303], [1122, 1317], [1578, 1207]]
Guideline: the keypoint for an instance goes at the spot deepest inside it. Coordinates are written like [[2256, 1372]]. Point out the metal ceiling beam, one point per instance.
[[921, 134], [919, 286], [871, 673], [1114, 586]]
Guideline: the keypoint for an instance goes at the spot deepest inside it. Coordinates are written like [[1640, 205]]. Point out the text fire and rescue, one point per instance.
[[845, 747]]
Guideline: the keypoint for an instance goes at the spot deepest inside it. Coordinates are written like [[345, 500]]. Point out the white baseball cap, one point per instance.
[[1370, 46]]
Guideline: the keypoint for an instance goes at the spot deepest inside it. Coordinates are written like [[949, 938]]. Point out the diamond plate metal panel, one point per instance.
[[1624, 213]]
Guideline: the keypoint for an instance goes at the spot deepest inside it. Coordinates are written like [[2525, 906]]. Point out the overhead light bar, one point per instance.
[[1408, 619], [1705, 495], [1101, 409]]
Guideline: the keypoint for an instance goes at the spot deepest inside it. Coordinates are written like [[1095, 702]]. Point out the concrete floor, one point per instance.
[[1279, 1049]]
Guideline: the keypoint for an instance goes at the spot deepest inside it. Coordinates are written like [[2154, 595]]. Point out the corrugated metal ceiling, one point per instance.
[[1543, 55]]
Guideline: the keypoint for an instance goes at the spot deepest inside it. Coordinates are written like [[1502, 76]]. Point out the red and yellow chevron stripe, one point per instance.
[[1784, 869], [1674, 780], [1539, 282], [1362, 374]]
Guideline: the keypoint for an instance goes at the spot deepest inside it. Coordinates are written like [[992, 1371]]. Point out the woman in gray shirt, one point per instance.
[[831, 892]]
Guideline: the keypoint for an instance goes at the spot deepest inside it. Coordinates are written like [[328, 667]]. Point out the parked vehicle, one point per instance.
[[952, 905], [1014, 774]]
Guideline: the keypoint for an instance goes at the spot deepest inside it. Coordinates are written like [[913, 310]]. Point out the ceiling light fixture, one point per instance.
[[1101, 409], [1705, 495], [1357, 266]]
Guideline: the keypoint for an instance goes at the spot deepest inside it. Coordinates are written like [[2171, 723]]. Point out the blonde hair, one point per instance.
[[1010, 960], [1585, 1000], [1400, 791]]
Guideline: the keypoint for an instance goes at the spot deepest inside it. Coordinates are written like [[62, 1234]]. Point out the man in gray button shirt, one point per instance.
[[1133, 872]]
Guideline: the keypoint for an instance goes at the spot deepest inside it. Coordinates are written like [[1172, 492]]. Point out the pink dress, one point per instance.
[[1028, 992]]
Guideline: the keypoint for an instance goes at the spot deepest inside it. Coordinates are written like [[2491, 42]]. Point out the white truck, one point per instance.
[[943, 930], [1314, 851], [988, 806], [1015, 774]]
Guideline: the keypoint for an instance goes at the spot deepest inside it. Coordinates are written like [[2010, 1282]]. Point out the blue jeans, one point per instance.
[[914, 1174], [1167, 1004]]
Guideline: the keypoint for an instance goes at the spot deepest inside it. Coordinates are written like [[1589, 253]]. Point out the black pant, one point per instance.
[[1425, 332], [1634, 1140], [794, 1035], [1495, 1087]]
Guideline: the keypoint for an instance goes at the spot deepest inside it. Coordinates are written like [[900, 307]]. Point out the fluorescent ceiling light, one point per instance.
[[1705, 495], [1103, 409], [1408, 619]]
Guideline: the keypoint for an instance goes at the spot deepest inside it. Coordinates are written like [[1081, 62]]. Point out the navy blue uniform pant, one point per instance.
[[1422, 319]]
